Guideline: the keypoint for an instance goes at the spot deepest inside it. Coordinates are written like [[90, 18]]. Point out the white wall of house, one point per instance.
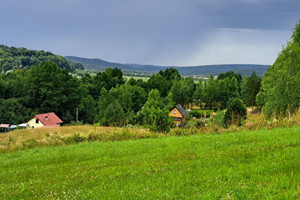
[[32, 123]]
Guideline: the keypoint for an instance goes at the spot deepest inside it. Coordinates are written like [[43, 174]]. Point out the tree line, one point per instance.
[[108, 100]]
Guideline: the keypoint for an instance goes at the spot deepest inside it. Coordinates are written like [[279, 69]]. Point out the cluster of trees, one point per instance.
[[12, 58], [214, 93], [106, 99]]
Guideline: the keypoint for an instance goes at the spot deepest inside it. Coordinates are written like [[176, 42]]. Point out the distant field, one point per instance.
[[127, 77], [247, 165]]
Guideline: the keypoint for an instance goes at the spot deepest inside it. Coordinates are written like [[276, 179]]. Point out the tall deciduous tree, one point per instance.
[[198, 94], [155, 114], [183, 91], [227, 88], [108, 79], [281, 83], [87, 109], [160, 83], [52, 89], [210, 92]]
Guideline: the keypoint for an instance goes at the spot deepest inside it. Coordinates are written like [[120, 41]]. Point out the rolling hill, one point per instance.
[[13, 58], [204, 71]]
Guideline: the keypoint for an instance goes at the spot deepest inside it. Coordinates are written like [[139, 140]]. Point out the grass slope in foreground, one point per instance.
[[248, 165]]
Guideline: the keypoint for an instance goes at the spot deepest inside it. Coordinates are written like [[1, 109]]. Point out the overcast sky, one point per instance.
[[161, 32]]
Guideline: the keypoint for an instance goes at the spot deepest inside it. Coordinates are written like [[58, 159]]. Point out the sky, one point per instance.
[[158, 32]]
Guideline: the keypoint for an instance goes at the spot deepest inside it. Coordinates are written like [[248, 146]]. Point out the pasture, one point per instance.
[[261, 164]]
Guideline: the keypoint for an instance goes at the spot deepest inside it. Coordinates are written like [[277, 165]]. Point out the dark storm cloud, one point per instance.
[[267, 14], [184, 32]]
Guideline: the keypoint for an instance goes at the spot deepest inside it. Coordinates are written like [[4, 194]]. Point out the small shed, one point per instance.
[[4, 127], [179, 114]]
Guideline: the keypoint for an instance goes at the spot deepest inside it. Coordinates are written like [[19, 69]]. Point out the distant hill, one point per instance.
[[12, 58], [203, 71], [98, 64]]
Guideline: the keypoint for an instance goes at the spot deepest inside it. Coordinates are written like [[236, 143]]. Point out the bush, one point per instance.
[[219, 119], [30, 143], [200, 113], [161, 122], [76, 138], [236, 112], [200, 124]]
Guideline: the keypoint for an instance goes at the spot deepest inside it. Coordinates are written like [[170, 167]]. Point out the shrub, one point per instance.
[[200, 113], [200, 124], [30, 143], [161, 121], [77, 138], [219, 119], [236, 112]]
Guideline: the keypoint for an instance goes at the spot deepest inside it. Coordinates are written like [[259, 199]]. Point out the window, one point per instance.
[[36, 121], [174, 112], [177, 119]]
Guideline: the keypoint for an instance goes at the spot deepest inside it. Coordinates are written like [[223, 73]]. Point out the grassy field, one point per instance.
[[261, 164]]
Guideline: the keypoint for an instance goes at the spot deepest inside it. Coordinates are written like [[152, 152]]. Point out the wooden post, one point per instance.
[[77, 115]]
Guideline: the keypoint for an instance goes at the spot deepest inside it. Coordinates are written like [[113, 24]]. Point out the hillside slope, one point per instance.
[[205, 70], [12, 58], [248, 165]]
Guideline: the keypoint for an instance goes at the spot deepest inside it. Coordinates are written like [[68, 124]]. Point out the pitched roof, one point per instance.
[[49, 119], [4, 125], [181, 110]]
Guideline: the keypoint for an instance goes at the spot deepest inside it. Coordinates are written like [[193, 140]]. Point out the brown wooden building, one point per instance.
[[179, 114]]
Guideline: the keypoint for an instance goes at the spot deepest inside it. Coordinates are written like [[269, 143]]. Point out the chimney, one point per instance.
[[46, 118]]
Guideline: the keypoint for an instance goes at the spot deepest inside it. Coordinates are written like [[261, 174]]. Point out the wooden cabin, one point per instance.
[[179, 115]]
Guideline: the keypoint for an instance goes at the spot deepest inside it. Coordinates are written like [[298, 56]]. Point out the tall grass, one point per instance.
[[255, 121], [29, 138]]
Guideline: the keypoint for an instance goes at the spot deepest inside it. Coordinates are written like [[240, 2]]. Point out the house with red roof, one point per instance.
[[44, 120]]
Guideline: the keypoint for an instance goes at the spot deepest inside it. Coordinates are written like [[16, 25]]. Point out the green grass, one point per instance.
[[248, 165]]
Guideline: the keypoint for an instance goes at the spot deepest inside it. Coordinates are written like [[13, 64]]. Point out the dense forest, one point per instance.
[[12, 58], [106, 99]]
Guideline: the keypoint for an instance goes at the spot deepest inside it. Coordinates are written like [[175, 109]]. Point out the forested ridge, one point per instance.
[[12, 58]]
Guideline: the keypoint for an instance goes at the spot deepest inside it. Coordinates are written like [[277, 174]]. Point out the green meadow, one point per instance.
[[261, 164]]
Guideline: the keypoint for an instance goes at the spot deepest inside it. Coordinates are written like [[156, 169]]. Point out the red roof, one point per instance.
[[4, 125], [49, 119]]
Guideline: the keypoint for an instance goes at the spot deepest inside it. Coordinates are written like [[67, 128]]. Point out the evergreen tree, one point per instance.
[[198, 95], [250, 88], [236, 112]]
